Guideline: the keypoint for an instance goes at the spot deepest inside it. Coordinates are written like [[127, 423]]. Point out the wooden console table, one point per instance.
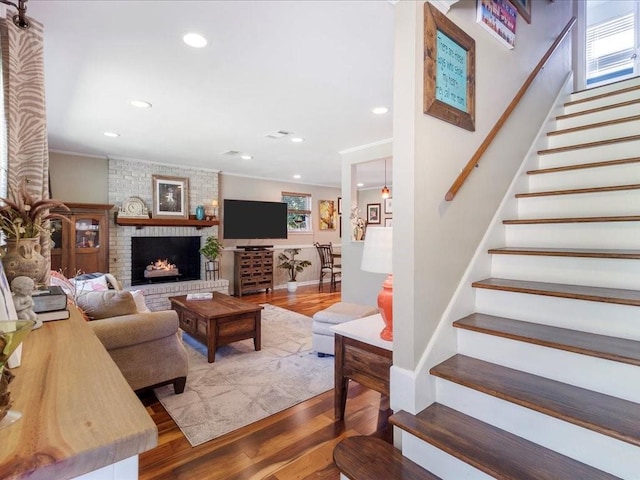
[[79, 414], [362, 356]]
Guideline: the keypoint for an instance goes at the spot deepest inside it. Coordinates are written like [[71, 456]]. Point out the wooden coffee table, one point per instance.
[[219, 321]]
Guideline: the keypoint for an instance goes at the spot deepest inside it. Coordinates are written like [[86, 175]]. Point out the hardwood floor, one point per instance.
[[294, 444]]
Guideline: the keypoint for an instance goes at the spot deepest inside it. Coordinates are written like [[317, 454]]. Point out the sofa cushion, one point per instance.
[[343, 312], [128, 330], [111, 303]]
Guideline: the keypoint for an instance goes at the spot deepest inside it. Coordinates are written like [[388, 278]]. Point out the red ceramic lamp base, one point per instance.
[[385, 305]]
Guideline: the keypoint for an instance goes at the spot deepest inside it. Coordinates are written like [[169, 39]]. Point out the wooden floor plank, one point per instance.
[[277, 445], [497, 453], [581, 166], [600, 346], [580, 146], [578, 191], [579, 292], [535, 221], [366, 458], [568, 252], [611, 416]]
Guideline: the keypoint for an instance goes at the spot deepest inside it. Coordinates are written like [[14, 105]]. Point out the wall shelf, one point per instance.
[[165, 222]]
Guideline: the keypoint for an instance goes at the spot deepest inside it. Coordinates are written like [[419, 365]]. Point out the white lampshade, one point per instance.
[[376, 255]]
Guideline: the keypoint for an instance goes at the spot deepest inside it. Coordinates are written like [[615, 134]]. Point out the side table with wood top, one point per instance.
[[362, 356], [219, 321]]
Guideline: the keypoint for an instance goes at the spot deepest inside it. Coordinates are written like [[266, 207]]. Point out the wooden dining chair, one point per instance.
[[328, 265]]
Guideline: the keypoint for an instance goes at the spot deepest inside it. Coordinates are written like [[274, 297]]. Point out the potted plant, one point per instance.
[[22, 220], [211, 250], [293, 266]]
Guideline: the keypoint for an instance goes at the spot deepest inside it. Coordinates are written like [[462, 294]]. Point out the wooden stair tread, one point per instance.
[[603, 95], [631, 118], [533, 221], [568, 252], [595, 411], [370, 458], [601, 346], [597, 109], [580, 166], [578, 292], [574, 191], [496, 452], [598, 143]]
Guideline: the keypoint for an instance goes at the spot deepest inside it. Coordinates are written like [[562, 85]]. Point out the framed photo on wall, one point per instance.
[[388, 222], [388, 205], [373, 213], [328, 215], [449, 70], [524, 8], [498, 17], [170, 197], [339, 205]]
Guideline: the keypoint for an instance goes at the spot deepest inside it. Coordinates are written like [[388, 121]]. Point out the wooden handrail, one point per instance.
[[473, 162]]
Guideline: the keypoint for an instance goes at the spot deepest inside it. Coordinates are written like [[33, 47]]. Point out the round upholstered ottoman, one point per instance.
[[322, 337]]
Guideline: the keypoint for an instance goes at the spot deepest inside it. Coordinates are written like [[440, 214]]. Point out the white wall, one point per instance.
[[77, 178], [434, 239]]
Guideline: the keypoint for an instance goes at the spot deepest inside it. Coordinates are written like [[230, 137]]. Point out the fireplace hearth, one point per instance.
[[164, 259]]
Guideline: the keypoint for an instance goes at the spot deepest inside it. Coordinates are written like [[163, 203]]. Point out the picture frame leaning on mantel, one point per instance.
[[449, 70]]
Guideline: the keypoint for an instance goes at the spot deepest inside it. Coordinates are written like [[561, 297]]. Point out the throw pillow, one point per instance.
[[58, 279], [111, 303], [98, 284], [138, 297]]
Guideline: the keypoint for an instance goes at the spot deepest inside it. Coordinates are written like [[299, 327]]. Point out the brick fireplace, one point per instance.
[[129, 178]]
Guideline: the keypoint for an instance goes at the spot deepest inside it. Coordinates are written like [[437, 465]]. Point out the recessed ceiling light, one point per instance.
[[194, 40], [140, 104], [246, 157], [380, 110], [297, 177], [360, 184], [111, 134], [297, 140]]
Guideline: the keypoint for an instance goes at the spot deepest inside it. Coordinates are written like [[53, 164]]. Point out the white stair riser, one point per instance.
[[625, 235], [609, 319], [603, 89], [437, 461], [627, 174], [598, 116], [586, 446], [595, 272], [601, 102], [607, 132], [599, 153], [593, 204], [604, 376]]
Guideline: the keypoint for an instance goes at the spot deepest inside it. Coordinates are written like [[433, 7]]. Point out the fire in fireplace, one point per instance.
[[164, 259]]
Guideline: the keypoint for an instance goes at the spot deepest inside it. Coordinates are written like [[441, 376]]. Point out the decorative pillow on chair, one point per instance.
[[138, 297], [98, 284], [58, 279], [107, 304]]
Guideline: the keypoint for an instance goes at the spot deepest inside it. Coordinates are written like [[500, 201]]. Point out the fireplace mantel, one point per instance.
[[165, 222]]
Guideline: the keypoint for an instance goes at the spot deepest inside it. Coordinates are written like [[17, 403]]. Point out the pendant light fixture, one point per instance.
[[385, 191]]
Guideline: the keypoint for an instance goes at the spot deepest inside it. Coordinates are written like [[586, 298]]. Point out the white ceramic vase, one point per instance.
[[292, 286]]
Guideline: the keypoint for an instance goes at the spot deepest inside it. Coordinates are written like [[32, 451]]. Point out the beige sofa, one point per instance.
[[147, 347]]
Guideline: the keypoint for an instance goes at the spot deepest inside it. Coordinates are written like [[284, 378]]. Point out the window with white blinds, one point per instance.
[[611, 48]]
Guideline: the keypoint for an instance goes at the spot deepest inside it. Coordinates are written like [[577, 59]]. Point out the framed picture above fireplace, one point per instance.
[[170, 197]]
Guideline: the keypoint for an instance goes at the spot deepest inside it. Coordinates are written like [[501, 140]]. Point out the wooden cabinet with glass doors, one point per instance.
[[83, 243]]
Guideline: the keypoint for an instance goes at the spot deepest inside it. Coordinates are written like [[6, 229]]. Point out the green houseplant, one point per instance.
[[211, 250], [293, 266]]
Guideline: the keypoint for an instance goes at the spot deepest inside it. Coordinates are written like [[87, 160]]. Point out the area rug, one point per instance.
[[244, 386]]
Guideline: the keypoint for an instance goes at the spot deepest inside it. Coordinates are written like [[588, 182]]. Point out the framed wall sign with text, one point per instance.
[[449, 70]]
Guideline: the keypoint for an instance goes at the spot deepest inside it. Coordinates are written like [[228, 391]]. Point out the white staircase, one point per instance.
[[546, 380]]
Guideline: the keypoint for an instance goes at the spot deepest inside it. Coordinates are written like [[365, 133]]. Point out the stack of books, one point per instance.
[[50, 304]]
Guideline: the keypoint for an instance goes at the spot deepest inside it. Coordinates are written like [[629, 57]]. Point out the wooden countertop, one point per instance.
[[78, 412]]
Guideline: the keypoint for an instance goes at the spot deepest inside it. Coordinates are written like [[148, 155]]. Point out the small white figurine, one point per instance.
[[22, 288]]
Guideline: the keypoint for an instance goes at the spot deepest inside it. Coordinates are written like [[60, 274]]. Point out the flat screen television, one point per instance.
[[247, 219]]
